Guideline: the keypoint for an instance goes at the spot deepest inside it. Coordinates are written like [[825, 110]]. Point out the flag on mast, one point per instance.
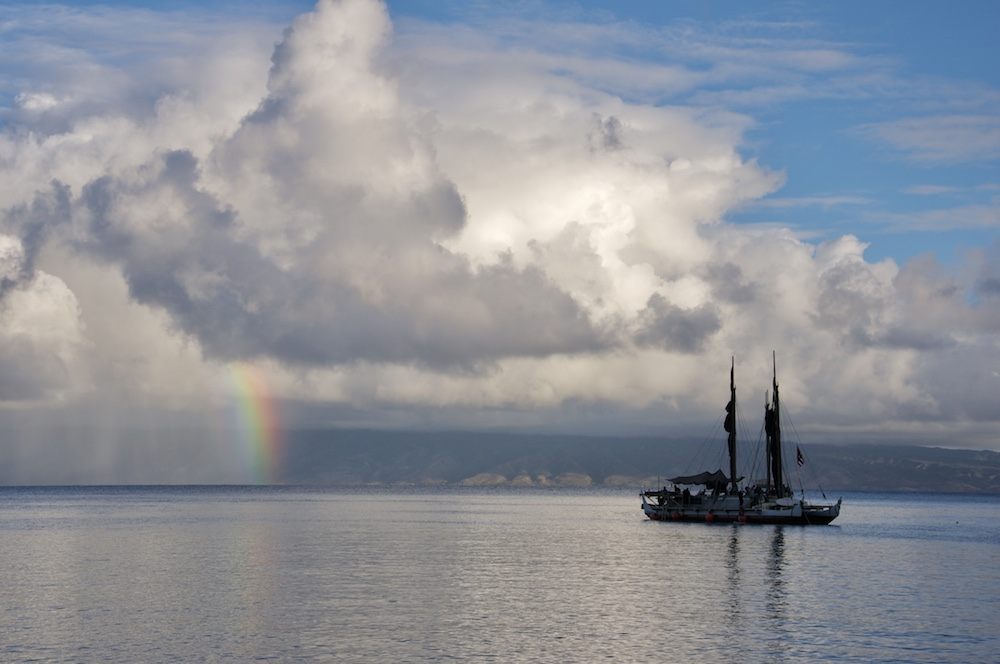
[[799, 459]]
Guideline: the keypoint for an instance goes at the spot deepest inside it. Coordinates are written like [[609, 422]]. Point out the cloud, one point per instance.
[[945, 190], [985, 270], [42, 340], [973, 215], [930, 190], [351, 269], [940, 138], [672, 328], [400, 223], [825, 202]]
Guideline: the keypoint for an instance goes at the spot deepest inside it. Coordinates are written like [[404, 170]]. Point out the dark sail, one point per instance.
[[775, 437], [770, 427], [769, 424], [730, 424]]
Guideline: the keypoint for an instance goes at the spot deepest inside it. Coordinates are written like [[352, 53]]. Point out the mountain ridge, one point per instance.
[[355, 457]]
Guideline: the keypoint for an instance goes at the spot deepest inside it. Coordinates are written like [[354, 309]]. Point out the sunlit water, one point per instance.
[[150, 575]]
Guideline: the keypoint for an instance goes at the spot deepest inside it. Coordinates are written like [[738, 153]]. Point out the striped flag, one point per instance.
[[799, 459]]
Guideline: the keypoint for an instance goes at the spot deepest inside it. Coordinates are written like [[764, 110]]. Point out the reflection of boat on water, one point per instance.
[[722, 499]]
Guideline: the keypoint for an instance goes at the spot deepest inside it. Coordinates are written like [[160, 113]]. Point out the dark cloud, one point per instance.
[[666, 326], [608, 133], [990, 286], [31, 224], [903, 339], [728, 283]]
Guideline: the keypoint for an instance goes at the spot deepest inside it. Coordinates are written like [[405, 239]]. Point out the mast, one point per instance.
[[776, 453], [730, 424]]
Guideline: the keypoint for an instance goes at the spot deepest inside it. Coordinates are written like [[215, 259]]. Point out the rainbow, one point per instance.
[[258, 421]]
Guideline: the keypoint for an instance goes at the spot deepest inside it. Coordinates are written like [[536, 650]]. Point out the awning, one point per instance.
[[714, 480]]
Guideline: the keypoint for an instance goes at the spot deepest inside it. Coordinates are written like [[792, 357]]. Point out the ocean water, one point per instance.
[[244, 574]]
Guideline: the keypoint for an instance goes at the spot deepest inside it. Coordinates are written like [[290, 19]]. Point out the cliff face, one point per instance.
[[358, 457]]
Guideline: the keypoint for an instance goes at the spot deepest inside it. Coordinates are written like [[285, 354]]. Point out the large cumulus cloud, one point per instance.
[[382, 226], [312, 234]]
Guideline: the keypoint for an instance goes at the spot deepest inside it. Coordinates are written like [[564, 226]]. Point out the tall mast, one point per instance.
[[730, 424], [776, 453]]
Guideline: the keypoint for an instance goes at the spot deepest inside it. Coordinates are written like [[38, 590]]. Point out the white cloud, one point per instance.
[[931, 190], [966, 191], [941, 138], [984, 215], [825, 202], [42, 340]]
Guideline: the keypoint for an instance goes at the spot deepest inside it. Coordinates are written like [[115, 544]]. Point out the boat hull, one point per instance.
[[796, 514]]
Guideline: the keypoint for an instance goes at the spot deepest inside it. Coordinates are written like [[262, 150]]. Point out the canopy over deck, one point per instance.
[[716, 480]]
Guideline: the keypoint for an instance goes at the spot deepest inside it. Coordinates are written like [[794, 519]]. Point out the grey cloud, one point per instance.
[[607, 134], [987, 275], [964, 381], [917, 311], [903, 338], [666, 326], [31, 225], [990, 286], [36, 318], [429, 305], [729, 284], [29, 370], [850, 301]]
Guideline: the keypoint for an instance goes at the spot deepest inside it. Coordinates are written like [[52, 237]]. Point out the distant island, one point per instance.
[[368, 457], [365, 457]]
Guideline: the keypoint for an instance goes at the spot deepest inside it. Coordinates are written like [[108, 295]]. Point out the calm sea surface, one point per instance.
[[229, 574]]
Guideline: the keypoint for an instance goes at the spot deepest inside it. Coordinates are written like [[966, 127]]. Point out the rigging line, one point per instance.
[[723, 451], [702, 449], [799, 447], [798, 476], [784, 452], [784, 465], [757, 454], [748, 458], [755, 457], [761, 461]]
